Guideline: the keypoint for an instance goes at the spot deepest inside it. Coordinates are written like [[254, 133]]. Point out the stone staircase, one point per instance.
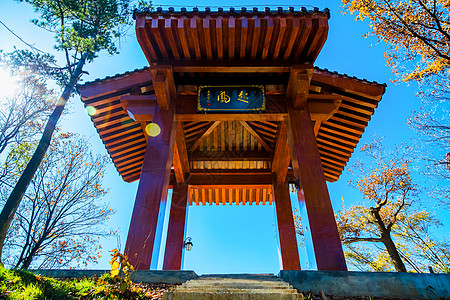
[[239, 286]]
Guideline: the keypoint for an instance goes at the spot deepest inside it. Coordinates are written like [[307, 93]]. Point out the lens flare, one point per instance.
[[91, 110], [8, 84], [153, 129]]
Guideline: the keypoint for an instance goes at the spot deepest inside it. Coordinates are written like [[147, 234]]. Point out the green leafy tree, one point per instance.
[[82, 29], [390, 232], [62, 216]]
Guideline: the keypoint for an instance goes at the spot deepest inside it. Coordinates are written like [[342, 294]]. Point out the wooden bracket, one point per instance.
[[164, 85], [298, 85], [323, 106], [139, 107]]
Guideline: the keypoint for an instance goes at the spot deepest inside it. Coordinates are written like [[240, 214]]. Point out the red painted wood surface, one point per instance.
[[286, 227], [153, 186], [175, 231], [308, 168]]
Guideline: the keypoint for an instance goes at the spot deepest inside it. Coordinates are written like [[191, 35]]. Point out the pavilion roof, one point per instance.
[[273, 48], [289, 36], [337, 136]]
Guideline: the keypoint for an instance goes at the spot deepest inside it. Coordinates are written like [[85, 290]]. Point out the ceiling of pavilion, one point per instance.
[[228, 48]]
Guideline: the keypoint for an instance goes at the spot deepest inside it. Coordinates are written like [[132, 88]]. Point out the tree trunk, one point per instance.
[[386, 239], [392, 251], [29, 258], [11, 205]]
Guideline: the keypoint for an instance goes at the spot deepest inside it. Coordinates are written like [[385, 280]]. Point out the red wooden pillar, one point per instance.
[[175, 231], [286, 227], [308, 169], [153, 188]]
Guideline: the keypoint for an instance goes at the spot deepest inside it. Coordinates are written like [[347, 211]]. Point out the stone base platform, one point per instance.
[[338, 283]]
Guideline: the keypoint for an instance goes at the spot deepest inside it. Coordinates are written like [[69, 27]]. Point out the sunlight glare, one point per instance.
[[153, 129], [91, 111], [8, 84]]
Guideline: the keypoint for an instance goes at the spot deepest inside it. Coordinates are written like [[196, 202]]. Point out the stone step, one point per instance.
[[237, 283], [231, 296], [238, 290], [235, 286], [265, 277]]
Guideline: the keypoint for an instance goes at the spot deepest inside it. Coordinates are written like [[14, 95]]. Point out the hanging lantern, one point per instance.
[[293, 185], [188, 244]]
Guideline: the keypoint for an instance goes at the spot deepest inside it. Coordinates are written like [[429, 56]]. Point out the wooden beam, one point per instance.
[[176, 228], [230, 172], [236, 179], [298, 85], [204, 135], [152, 190], [231, 117], [140, 108], [262, 68], [164, 85], [179, 174], [286, 226], [168, 71], [317, 125], [281, 155], [144, 129], [230, 186], [161, 87], [293, 78], [256, 136], [323, 106], [226, 155], [180, 156], [307, 167]]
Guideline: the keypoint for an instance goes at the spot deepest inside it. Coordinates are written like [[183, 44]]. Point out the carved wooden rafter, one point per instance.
[[204, 135], [256, 136]]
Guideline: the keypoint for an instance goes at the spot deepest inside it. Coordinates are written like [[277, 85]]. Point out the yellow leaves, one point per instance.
[[115, 265], [413, 30]]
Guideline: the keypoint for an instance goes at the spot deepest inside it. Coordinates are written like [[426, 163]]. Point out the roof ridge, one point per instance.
[[344, 75], [232, 10], [114, 76]]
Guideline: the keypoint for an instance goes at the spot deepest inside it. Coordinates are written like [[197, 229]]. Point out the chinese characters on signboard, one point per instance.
[[231, 98]]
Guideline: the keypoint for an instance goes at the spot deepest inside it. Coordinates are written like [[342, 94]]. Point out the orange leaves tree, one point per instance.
[[62, 217], [390, 231], [417, 33]]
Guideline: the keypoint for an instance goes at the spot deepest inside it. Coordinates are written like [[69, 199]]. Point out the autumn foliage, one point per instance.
[[390, 230], [417, 33], [62, 216]]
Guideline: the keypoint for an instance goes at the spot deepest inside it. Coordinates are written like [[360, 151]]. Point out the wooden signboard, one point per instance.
[[231, 98]]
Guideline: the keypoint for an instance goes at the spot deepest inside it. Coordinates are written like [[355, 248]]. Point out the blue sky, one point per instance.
[[236, 239]]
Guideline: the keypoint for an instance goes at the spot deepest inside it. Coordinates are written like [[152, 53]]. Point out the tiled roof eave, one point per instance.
[[220, 12]]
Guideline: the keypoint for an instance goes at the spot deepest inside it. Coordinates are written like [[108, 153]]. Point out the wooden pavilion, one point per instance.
[[307, 128]]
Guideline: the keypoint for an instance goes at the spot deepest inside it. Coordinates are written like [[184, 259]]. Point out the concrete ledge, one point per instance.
[[372, 284], [170, 277]]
